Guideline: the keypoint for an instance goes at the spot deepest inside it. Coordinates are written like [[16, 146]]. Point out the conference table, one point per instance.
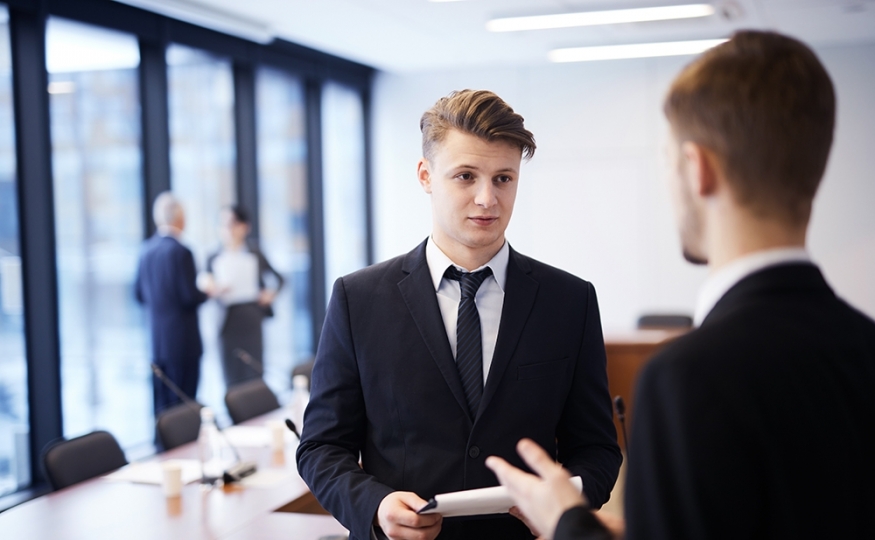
[[105, 508], [279, 506], [627, 353]]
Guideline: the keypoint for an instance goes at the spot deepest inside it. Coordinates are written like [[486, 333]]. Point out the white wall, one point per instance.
[[593, 200]]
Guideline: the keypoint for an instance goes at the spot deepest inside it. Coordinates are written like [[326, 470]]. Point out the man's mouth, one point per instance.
[[484, 220]]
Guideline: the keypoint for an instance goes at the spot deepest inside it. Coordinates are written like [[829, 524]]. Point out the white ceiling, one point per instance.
[[417, 35]]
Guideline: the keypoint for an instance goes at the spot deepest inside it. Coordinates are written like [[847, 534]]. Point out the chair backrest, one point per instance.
[[665, 321], [69, 462], [178, 425], [250, 399]]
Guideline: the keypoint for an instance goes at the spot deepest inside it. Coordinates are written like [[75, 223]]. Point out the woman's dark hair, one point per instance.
[[240, 213]]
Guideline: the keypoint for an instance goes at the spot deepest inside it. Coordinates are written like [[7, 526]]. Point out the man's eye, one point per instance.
[[504, 179], [464, 176]]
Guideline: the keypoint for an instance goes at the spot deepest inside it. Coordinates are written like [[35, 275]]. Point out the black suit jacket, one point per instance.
[[166, 285], [385, 386], [760, 423]]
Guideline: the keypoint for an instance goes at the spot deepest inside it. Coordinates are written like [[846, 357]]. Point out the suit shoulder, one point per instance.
[[373, 274]]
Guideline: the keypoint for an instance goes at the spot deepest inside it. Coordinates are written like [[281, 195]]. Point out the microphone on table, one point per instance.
[[236, 472], [620, 407], [247, 359]]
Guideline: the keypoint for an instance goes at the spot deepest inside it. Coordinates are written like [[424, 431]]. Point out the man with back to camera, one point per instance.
[[432, 361], [759, 423], [166, 285]]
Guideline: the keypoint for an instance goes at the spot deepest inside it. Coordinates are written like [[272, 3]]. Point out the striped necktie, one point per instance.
[[469, 341]]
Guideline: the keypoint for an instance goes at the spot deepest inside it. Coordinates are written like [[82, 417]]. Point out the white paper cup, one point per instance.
[[171, 479], [277, 431]]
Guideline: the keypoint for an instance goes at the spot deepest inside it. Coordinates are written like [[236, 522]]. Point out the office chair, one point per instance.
[[250, 399], [664, 321], [178, 425], [69, 462]]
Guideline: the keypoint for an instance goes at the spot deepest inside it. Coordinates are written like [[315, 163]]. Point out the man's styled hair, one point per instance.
[[166, 209], [477, 112], [765, 106]]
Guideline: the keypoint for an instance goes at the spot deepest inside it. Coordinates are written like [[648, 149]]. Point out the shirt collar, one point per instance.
[[438, 262], [719, 283], [169, 230]]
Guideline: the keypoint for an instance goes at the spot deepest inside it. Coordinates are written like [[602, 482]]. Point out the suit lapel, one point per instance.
[[417, 289], [519, 297]]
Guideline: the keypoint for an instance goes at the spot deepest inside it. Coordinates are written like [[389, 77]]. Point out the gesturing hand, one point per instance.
[[398, 518], [542, 500]]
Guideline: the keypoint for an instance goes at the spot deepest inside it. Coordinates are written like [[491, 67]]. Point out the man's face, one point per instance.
[[688, 212], [473, 186]]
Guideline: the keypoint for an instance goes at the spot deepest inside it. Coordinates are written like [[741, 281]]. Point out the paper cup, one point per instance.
[[277, 431], [172, 479]]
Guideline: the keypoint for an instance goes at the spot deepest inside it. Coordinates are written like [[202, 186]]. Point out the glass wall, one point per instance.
[[343, 163], [98, 197], [282, 196], [202, 173], [14, 463]]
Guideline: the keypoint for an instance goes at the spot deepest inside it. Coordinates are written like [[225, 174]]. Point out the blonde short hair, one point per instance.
[[477, 112]]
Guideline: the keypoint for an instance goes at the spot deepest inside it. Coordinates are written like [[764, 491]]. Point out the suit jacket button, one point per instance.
[[474, 452]]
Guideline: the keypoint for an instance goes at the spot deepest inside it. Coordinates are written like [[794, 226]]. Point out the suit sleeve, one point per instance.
[[579, 523], [138, 283], [587, 439], [335, 427], [190, 296]]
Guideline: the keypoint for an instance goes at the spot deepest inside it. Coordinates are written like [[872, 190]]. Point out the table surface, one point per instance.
[[103, 508]]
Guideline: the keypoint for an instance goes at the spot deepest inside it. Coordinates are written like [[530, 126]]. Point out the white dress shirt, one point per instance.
[[719, 283], [489, 299]]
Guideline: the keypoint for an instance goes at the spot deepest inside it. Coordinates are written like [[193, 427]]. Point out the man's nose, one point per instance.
[[485, 196]]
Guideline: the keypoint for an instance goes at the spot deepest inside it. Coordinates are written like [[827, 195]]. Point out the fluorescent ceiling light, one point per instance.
[[593, 18], [638, 50]]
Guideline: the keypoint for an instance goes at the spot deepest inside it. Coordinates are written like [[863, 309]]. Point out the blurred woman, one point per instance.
[[238, 272]]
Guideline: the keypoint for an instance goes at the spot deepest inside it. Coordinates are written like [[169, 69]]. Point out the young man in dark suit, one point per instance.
[[432, 361], [759, 423], [166, 286]]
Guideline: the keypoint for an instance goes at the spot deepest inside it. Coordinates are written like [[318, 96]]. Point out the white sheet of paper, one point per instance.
[[236, 271], [476, 502], [151, 472]]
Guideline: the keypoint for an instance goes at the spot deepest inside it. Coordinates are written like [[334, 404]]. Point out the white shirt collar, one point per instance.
[[719, 283], [169, 230], [438, 262]]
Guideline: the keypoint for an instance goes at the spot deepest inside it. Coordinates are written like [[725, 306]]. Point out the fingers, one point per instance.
[[398, 518], [507, 474], [536, 458]]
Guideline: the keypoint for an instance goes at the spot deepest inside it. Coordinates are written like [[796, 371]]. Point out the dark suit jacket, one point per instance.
[[166, 285], [385, 385], [760, 423]]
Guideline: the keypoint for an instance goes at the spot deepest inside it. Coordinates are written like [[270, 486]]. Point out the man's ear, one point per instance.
[[700, 166], [424, 175]]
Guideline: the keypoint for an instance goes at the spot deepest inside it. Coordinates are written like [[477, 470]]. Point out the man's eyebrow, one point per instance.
[[475, 168]]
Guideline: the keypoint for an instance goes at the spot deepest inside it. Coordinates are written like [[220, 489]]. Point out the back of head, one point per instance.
[[166, 210], [477, 112], [765, 106]]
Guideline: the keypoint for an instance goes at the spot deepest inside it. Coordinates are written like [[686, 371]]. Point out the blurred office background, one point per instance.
[[307, 113]]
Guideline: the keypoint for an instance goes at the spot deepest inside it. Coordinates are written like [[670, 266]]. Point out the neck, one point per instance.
[[740, 233], [466, 257]]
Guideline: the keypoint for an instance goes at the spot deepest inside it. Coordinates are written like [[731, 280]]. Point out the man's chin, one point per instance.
[[694, 259]]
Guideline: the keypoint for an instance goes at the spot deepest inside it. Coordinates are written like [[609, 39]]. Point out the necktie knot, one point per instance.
[[469, 282]]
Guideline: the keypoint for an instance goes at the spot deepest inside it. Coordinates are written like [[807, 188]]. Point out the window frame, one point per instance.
[[27, 22]]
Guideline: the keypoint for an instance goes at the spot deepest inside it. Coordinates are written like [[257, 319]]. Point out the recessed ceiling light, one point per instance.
[[593, 18], [638, 50]]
